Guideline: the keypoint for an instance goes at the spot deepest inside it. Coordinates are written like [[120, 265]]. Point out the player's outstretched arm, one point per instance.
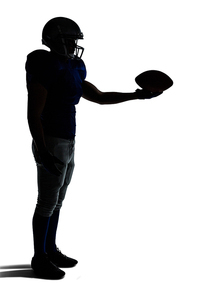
[[91, 93]]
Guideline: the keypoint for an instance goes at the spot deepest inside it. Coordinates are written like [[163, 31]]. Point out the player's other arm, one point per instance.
[[91, 93], [37, 95]]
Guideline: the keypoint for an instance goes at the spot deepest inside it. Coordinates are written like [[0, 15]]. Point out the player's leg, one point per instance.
[[67, 147], [48, 194]]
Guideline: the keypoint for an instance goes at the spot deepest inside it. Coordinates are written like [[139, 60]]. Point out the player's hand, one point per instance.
[[146, 94], [48, 161]]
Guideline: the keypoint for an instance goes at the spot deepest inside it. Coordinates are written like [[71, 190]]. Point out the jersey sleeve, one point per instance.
[[39, 68]]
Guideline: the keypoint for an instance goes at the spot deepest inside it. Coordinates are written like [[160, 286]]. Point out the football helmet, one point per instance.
[[61, 34]]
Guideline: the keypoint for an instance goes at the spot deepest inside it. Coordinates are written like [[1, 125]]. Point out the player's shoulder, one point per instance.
[[41, 60], [38, 55]]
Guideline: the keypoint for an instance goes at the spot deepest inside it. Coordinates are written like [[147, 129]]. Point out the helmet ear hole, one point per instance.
[[57, 31]]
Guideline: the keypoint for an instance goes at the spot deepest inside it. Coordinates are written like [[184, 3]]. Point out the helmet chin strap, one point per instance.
[[71, 55]]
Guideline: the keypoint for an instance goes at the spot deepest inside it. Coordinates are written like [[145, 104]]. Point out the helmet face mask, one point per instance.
[[78, 51], [61, 36]]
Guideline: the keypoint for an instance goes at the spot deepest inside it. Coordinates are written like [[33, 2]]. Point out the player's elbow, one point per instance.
[[95, 97], [100, 98]]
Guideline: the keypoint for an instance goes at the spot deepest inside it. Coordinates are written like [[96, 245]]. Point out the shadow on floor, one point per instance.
[[24, 271]]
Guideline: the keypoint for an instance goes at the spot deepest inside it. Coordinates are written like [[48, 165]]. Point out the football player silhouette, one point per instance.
[[56, 80]]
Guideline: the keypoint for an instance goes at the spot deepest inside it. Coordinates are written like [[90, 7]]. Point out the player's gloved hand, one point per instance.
[[146, 94], [48, 161]]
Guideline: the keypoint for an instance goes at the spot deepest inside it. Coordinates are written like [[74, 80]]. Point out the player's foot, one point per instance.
[[44, 268], [61, 260]]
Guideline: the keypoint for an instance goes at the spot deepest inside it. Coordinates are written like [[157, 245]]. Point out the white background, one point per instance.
[[130, 213]]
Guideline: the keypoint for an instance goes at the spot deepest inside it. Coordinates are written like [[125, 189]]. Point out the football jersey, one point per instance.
[[63, 81]]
